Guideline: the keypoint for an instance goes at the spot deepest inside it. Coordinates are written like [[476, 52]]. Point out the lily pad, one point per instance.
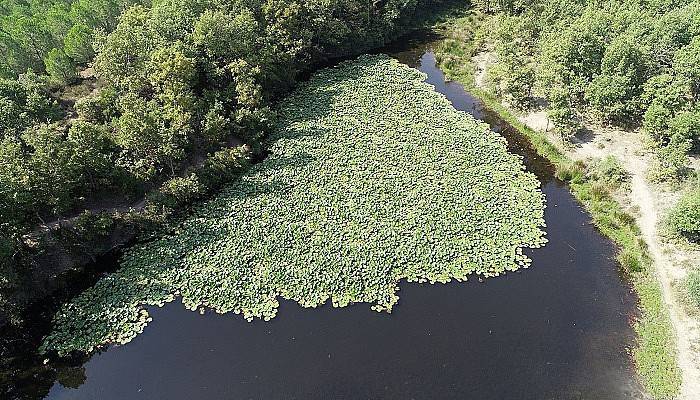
[[372, 177]]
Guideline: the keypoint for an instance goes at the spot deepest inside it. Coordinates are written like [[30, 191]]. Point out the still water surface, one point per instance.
[[558, 330]]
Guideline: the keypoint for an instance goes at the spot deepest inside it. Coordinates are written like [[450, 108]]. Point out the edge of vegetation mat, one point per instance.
[[654, 354], [372, 177]]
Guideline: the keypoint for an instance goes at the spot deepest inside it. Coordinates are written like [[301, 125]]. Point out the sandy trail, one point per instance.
[[648, 203]]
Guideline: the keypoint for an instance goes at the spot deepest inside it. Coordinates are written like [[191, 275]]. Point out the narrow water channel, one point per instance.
[[558, 330]]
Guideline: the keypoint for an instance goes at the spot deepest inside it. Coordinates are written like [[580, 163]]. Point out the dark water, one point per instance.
[[559, 330]]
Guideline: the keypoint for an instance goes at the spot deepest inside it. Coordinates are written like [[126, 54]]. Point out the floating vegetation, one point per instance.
[[372, 177]]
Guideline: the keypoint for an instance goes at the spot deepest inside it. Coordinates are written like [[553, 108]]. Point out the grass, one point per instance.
[[654, 354], [691, 289], [362, 188]]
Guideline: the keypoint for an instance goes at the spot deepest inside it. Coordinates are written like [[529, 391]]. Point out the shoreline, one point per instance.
[[663, 354]]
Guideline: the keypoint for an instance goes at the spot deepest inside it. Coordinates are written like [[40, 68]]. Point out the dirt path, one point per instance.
[[648, 203]]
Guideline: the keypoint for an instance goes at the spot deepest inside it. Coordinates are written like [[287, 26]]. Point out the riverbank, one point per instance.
[[147, 144], [663, 359], [564, 337]]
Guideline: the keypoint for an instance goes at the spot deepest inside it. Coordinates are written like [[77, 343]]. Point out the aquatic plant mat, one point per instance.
[[372, 177]]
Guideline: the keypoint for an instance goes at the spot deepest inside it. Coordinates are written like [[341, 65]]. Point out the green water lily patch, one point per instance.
[[372, 177]]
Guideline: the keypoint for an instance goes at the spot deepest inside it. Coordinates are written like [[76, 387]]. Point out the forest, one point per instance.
[[625, 63]]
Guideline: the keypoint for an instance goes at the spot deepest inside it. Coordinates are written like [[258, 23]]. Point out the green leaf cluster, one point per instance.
[[684, 217]]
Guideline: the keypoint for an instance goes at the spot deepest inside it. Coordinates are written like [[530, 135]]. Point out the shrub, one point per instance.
[[631, 260], [692, 287], [686, 126], [220, 168], [684, 218], [224, 165], [178, 191], [609, 171], [572, 172], [671, 162], [9, 278], [90, 226]]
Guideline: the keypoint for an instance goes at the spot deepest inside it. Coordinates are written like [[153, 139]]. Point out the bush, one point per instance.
[[220, 168], [90, 226], [572, 172], [686, 126], [631, 260], [684, 218], [176, 192], [692, 287], [609, 171], [8, 275], [671, 162], [223, 166]]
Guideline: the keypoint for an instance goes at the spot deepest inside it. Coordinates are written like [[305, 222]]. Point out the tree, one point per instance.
[[93, 153], [173, 19], [614, 97], [24, 102], [60, 67], [664, 95], [57, 21], [52, 176], [572, 57], [122, 58], [78, 43], [151, 137], [214, 29], [32, 37], [686, 63], [137, 133], [15, 199]]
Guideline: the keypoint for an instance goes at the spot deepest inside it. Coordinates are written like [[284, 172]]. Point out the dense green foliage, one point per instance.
[[362, 188], [627, 62], [684, 218], [180, 77], [54, 36]]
